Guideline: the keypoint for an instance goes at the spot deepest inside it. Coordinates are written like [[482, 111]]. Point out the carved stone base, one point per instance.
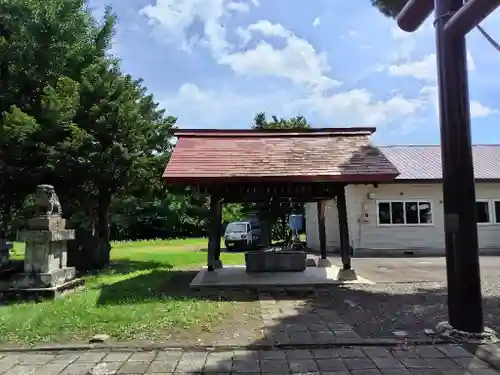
[[347, 275], [47, 223], [324, 263], [52, 279], [39, 294], [217, 263], [446, 331]]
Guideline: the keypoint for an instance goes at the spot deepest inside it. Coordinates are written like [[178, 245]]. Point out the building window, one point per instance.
[[405, 212], [496, 208], [483, 212]]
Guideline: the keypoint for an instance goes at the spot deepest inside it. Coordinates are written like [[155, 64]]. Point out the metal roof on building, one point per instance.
[[315, 155], [424, 162]]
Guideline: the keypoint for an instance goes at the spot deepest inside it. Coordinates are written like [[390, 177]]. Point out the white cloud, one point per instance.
[[196, 107], [316, 22], [175, 17], [209, 108], [298, 61], [424, 69], [359, 107], [479, 110]]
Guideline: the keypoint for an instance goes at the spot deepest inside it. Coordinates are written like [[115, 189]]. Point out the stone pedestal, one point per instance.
[[4, 253], [45, 258]]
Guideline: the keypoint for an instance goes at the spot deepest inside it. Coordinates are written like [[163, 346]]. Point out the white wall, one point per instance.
[[365, 233]]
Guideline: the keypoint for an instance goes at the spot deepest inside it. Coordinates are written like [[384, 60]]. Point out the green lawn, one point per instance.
[[142, 296]]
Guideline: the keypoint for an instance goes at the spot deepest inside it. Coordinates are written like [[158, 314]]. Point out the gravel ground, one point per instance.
[[378, 310]]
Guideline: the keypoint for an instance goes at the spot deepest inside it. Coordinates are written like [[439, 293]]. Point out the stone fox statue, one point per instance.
[[47, 201]]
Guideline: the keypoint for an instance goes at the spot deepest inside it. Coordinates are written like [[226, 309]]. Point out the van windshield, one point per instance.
[[236, 228]]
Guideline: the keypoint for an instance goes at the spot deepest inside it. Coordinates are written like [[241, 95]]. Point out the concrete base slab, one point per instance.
[[235, 276], [324, 262]]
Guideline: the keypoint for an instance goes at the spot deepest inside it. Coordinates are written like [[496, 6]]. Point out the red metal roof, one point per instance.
[[314, 155]]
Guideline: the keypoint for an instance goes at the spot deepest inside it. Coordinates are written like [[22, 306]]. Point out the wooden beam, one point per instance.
[[345, 251], [471, 14], [321, 228], [215, 234]]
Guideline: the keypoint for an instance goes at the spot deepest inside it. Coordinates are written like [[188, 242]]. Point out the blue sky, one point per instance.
[[215, 63]]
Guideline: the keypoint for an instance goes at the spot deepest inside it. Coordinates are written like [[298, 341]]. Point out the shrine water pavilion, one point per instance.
[[276, 165]]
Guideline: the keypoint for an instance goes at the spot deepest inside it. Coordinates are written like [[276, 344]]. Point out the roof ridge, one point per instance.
[[437, 145]]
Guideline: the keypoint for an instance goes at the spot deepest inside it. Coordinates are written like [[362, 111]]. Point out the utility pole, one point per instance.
[[453, 20]]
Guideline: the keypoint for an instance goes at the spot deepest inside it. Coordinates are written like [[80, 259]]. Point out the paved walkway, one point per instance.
[[301, 322], [425, 360]]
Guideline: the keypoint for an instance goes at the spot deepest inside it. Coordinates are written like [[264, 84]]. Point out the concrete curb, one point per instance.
[[218, 348], [489, 354]]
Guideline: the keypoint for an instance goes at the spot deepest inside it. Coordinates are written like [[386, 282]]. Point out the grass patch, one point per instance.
[[143, 295]]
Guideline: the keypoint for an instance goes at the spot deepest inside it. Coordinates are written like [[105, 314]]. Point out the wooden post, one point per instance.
[[321, 228], [345, 251], [215, 233]]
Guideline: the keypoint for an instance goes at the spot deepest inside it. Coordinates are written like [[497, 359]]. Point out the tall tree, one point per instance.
[[389, 8], [44, 46], [123, 138]]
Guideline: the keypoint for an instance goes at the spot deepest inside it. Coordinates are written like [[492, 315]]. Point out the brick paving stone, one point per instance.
[[91, 356], [331, 364], [78, 368], [387, 363], [375, 352], [35, 359], [471, 363], [22, 370], [250, 365], [443, 363], [366, 372], [325, 353], [294, 354], [66, 358], [169, 355], [8, 362], [399, 371], [189, 366], [359, 364], [161, 367], [273, 354], [51, 369], [335, 372], [143, 356], [454, 351], [246, 354], [134, 367], [271, 366], [301, 338], [401, 353], [117, 357], [488, 371], [412, 363], [426, 371], [351, 353], [429, 352], [303, 365], [111, 367]]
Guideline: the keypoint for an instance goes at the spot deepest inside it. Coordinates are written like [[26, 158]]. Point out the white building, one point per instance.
[[407, 215]]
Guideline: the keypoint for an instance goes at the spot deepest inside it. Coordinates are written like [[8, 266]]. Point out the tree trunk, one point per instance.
[[102, 253]]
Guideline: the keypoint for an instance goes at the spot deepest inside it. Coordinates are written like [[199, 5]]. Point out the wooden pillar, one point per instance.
[[321, 228], [345, 251], [215, 233]]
